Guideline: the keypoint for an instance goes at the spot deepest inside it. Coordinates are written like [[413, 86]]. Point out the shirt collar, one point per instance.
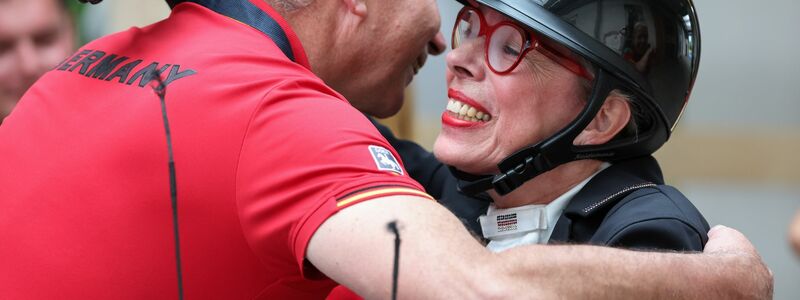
[[294, 40], [250, 13], [549, 214]]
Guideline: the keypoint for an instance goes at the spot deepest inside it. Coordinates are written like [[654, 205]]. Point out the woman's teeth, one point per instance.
[[466, 112]]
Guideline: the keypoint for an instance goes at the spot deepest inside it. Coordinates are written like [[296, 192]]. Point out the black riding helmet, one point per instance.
[[614, 37]]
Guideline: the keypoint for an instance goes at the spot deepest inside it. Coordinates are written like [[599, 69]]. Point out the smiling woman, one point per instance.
[[558, 126]]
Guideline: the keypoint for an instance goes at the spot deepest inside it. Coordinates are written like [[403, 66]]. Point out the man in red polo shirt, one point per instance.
[[279, 182], [85, 185]]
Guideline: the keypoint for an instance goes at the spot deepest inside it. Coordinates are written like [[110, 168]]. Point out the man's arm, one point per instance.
[[730, 268], [439, 260]]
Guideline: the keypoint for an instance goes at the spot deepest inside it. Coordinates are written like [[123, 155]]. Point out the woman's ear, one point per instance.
[[613, 116]]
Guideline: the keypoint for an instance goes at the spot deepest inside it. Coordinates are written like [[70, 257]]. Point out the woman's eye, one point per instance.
[[464, 28], [511, 50]]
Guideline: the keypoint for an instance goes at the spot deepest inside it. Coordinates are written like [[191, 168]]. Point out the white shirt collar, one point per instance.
[[529, 224]]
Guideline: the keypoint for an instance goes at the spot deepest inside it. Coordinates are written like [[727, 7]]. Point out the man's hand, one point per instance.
[[729, 243]]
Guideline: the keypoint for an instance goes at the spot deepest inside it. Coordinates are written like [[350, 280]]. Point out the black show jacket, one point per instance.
[[626, 205]]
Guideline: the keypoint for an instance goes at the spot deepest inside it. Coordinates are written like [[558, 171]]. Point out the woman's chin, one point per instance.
[[465, 161]]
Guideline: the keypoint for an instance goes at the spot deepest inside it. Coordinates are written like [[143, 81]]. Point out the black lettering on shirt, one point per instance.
[[61, 63], [175, 74], [146, 74], [101, 65], [75, 58], [88, 61], [124, 71], [104, 67]]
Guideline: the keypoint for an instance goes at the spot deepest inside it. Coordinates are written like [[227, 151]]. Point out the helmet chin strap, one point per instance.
[[556, 150]]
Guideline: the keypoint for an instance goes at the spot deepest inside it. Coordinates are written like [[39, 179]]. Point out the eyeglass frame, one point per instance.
[[531, 42]]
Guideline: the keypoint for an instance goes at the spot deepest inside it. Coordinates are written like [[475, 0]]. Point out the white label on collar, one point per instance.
[[501, 222]]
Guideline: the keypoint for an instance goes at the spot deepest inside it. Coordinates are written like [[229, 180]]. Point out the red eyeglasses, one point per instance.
[[507, 43]]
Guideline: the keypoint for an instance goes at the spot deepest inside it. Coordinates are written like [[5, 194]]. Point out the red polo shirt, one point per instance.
[[264, 153]]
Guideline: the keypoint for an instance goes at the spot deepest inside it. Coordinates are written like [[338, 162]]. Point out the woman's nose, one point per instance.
[[467, 60]]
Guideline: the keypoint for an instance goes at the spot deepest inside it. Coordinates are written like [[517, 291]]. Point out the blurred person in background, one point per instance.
[[794, 233], [35, 35]]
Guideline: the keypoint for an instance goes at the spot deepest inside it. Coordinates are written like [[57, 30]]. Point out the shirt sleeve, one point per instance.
[[306, 155], [437, 180]]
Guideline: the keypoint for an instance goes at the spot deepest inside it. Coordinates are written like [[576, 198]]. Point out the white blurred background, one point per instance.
[[735, 153]]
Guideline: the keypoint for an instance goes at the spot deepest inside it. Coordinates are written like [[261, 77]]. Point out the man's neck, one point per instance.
[[548, 186], [313, 24]]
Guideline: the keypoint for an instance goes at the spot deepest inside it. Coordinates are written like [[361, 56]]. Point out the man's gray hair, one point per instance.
[[289, 5]]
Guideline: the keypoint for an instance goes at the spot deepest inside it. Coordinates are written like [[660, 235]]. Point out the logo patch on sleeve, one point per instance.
[[385, 160]]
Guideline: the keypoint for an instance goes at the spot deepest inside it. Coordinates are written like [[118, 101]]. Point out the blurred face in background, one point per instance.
[[35, 35], [794, 233]]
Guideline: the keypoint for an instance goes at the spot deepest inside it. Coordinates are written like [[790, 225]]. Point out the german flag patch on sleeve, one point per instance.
[[376, 192]]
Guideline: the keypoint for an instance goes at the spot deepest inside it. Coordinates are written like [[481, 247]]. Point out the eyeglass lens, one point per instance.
[[506, 43]]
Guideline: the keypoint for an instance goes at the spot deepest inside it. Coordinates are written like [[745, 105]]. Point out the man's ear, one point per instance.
[[613, 116], [356, 7]]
